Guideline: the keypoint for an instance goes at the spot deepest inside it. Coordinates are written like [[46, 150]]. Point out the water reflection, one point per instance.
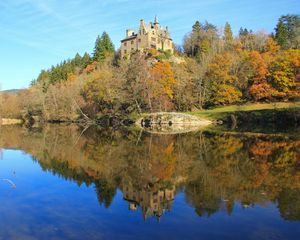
[[215, 171], [152, 203]]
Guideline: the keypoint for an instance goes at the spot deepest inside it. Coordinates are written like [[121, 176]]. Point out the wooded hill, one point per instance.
[[211, 68]]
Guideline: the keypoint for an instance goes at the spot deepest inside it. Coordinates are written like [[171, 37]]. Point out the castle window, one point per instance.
[[125, 51], [153, 39], [125, 44], [132, 49], [153, 32], [140, 40], [132, 42]]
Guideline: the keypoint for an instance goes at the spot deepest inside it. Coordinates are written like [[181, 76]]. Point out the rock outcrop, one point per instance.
[[172, 122]]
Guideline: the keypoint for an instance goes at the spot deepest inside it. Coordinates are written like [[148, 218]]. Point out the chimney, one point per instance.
[[142, 26], [129, 32]]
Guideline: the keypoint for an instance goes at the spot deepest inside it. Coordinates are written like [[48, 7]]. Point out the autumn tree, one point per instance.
[[11, 105], [284, 73], [271, 47], [137, 86], [102, 91], [222, 87], [164, 82], [185, 91], [63, 102], [259, 88], [228, 36]]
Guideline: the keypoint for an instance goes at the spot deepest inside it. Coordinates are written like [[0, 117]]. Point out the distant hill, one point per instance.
[[12, 91]]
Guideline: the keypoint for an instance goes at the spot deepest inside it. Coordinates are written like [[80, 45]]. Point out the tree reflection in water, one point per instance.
[[216, 170]]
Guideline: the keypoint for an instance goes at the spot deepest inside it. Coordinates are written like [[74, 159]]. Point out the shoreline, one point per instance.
[[259, 111]]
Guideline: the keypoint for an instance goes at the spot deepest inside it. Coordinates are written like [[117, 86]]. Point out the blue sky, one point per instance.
[[36, 34]]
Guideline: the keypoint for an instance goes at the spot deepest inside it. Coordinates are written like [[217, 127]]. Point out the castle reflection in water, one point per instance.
[[151, 203]]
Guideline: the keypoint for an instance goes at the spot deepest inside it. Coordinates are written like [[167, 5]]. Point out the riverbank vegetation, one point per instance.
[[212, 68]]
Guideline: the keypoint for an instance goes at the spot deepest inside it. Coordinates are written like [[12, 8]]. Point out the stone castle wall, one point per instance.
[[149, 36]]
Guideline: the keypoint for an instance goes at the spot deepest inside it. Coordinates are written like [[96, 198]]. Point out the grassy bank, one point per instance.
[[223, 112], [274, 118]]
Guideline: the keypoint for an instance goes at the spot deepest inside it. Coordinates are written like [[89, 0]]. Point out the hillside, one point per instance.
[[210, 70], [13, 91]]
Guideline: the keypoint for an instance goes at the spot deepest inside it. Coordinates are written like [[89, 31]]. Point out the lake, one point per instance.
[[66, 182]]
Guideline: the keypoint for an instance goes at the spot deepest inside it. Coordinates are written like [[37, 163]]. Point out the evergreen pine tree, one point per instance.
[[86, 60], [197, 27], [103, 48], [281, 34], [288, 31], [209, 27], [77, 60], [243, 32], [97, 48], [195, 38]]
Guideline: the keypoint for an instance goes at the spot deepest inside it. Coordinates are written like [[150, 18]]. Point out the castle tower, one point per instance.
[[156, 23], [142, 27]]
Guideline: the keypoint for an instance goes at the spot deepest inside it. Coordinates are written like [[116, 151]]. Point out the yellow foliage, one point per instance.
[[163, 73], [226, 94]]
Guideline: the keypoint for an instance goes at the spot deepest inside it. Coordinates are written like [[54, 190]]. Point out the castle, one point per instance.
[[153, 203], [150, 35]]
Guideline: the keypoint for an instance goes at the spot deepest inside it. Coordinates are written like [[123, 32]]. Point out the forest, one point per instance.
[[211, 68]]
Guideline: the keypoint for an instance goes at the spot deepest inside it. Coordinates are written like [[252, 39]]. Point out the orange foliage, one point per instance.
[[167, 163], [162, 71], [219, 70], [259, 66], [71, 77], [91, 67], [271, 46], [261, 91]]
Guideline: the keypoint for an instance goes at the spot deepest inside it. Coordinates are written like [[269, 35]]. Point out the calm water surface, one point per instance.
[[58, 182]]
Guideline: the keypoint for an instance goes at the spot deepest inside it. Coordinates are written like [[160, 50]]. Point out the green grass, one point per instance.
[[218, 112]]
